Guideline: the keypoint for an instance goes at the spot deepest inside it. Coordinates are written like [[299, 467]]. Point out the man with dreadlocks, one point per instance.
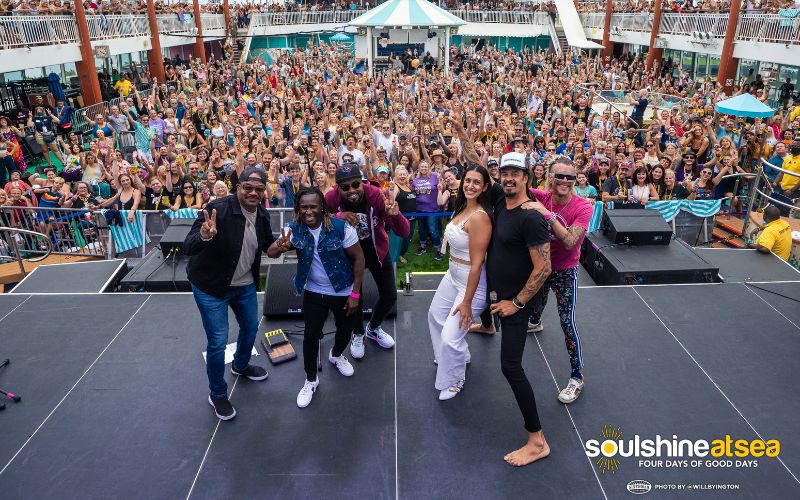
[[330, 265]]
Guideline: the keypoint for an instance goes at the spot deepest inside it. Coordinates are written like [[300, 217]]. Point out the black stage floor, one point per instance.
[[114, 390]]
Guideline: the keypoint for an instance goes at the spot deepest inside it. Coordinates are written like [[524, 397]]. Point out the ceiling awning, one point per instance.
[[492, 29], [397, 13]]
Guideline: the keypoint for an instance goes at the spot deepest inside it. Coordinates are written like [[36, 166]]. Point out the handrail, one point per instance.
[[14, 246], [714, 24], [117, 26], [779, 169], [621, 112], [771, 28]]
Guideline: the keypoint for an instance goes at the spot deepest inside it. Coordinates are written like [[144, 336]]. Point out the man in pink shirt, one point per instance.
[[568, 216]]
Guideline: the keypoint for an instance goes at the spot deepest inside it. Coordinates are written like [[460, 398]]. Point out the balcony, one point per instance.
[[213, 24], [690, 24], [32, 31], [769, 28], [117, 26], [311, 17]]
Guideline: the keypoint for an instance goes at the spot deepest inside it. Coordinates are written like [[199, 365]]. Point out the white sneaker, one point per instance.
[[306, 393], [382, 338], [341, 363], [535, 327], [571, 392], [451, 391], [357, 346]]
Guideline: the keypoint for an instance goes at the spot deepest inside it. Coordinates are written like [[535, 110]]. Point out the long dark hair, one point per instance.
[[484, 199], [326, 216]]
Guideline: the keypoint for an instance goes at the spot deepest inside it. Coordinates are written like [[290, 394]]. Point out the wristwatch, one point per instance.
[[517, 303]]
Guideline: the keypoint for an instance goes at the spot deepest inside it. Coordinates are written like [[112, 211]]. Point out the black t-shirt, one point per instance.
[[613, 185], [509, 261], [639, 108], [406, 201], [157, 200], [78, 202], [363, 230], [678, 192]]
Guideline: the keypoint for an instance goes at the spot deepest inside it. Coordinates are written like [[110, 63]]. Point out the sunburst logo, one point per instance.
[[607, 462]]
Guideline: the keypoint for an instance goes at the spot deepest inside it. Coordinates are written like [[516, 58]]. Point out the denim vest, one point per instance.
[[331, 252]]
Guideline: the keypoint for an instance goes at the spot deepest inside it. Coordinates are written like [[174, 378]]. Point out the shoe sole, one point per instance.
[[221, 417], [257, 379], [536, 330]]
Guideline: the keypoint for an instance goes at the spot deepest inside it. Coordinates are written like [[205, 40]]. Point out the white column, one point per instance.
[[370, 57], [446, 50]]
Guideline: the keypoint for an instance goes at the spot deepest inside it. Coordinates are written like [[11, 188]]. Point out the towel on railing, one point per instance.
[[701, 208], [182, 213], [597, 216], [128, 235]]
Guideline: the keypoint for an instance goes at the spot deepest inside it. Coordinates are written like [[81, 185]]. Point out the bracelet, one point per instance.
[[517, 303], [355, 295]]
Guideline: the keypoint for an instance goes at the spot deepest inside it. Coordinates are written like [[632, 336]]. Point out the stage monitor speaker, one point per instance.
[[174, 236], [280, 300], [613, 264], [636, 227]]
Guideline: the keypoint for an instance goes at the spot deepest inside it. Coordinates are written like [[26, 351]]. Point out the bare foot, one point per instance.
[[535, 449], [479, 328]]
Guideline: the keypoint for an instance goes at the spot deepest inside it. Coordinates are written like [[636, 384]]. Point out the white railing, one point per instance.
[[26, 31], [632, 21], [212, 21], [311, 17], [593, 20], [502, 16], [117, 26], [772, 28], [687, 24], [170, 23]]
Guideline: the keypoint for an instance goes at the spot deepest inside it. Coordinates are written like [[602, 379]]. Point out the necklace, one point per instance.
[[623, 187]]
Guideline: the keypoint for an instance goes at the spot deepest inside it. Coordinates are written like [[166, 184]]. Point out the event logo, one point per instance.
[[676, 452]]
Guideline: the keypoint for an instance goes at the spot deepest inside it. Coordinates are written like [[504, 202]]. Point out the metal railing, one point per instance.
[[687, 24], [170, 23], [772, 28], [10, 240], [63, 231], [28, 31], [81, 117], [311, 17], [593, 19], [501, 16], [632, 21], [212, 21], [117, 26]]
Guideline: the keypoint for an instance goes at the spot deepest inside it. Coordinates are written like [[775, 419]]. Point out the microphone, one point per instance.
[[495, 317]]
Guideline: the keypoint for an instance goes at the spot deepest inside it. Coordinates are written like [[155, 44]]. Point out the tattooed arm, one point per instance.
[[540, 256]]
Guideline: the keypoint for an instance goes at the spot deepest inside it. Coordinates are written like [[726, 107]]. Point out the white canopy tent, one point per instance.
[[406, 14]]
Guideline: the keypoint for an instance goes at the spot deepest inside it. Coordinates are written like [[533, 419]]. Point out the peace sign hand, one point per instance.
[[392, 207], [209, 228], [284, 241]]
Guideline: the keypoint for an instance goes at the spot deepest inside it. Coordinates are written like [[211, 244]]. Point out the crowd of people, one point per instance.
[[186, 141]]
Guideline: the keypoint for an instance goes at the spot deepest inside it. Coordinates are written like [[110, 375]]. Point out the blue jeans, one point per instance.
[[429, 226], [214, 312]]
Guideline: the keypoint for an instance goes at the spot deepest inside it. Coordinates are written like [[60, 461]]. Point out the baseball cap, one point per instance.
[[383, 170], [348, 171], [513, 160], [254, 174]]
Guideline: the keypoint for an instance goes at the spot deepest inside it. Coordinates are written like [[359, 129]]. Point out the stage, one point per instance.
[[114, 402]]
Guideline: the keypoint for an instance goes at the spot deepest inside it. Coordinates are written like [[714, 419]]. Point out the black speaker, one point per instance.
[[280, 300], [175, 235], [636, 227]]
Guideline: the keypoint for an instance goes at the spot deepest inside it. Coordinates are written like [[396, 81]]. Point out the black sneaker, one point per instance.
[[421, 251], [222, 407], [252, 372], [438, 256]]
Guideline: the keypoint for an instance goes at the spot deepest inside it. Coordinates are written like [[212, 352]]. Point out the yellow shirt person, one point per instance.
[[792, 164], [776, 238], [123, 86]]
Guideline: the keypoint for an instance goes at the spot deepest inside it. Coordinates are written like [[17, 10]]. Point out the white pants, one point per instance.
[[449, 341]]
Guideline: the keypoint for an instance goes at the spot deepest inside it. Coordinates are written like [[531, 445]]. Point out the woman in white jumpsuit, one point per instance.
[[462, 292]]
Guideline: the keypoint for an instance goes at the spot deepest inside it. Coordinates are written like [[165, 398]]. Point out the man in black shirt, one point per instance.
[[518, 264], [618, 188]]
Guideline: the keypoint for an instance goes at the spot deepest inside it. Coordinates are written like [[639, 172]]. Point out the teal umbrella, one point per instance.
[[744, 105], [341, 37]]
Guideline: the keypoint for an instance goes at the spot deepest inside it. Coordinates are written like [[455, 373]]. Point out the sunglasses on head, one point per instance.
[[347, 187], [564, 177], [251, 187]]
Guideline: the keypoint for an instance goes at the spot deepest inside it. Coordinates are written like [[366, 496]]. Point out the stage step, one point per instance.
[[727, 238], [10, 273], [718, 244]]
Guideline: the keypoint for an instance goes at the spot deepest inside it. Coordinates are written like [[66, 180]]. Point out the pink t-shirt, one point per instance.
[[578, 212]]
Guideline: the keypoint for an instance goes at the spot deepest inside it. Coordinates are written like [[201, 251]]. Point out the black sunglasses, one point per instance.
[[249, 187], [564, 177], [688, 158], [347, 187]]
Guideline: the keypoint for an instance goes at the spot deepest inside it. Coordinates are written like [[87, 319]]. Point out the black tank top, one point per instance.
[[406, 201]]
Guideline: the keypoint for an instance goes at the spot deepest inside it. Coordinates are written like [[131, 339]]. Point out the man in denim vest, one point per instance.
[[330, 265]]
